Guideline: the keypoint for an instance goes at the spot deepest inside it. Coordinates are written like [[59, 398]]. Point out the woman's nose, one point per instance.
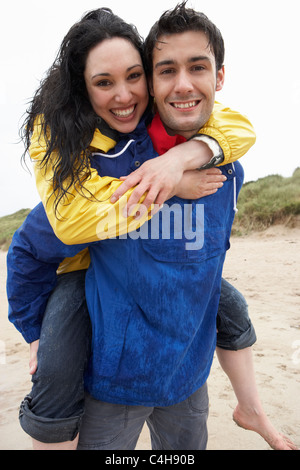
[[123, 94]]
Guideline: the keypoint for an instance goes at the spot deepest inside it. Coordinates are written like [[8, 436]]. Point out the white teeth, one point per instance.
[[123, 112], [190, 104]]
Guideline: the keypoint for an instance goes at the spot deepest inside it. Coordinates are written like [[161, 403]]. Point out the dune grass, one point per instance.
[[9, 224], [268, 201]]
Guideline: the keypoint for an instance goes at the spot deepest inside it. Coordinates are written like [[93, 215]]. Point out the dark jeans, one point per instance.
[[53, 411], [234, 328]]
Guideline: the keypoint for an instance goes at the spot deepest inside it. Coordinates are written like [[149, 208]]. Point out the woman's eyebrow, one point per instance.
[[101, 75], [107, 74], [133, 67]]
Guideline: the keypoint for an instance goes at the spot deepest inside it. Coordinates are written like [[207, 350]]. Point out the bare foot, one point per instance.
[[260, 423]]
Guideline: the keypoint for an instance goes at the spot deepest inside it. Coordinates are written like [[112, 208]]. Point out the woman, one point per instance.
[[74, 175]]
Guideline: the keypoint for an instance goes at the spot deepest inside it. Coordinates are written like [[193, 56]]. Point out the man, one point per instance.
[[157, 300]]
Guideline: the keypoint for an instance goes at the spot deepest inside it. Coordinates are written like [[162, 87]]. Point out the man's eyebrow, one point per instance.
[[199, 58], [162, 63], [106, 74]]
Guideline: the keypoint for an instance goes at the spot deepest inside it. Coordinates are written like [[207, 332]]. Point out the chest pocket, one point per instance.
[[186, 231]]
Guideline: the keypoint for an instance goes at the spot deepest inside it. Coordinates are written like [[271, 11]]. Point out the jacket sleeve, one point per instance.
[[233, 131], [32, 260], [82, 219]]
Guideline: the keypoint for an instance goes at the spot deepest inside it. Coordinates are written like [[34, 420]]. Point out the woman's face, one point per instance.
[[116, 83]]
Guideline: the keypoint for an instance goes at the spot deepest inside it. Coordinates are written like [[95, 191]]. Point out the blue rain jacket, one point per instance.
[[152, 294]]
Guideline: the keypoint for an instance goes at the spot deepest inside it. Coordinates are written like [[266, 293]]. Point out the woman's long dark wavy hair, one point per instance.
[[68, 119]]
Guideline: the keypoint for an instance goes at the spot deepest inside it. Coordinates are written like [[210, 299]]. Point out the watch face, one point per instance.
[[218, 159]]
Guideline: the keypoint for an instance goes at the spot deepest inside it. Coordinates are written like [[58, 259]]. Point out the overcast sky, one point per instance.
[[262, 74]]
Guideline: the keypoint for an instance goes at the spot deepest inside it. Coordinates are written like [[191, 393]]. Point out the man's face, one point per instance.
[[184, 81]]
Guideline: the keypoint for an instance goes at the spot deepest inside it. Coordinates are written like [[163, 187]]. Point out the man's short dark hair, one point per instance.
[[180, 20]]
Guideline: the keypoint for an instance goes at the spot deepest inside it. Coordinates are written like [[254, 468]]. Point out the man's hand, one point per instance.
[[196, 184], [33, 356]]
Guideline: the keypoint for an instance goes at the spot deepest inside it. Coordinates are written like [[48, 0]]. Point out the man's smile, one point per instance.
[[185, 105]]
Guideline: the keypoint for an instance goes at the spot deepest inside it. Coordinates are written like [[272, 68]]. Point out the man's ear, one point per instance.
[[220, 78], [150, 86]]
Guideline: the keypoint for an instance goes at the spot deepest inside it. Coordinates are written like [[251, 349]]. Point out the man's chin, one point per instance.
[[186, 127]]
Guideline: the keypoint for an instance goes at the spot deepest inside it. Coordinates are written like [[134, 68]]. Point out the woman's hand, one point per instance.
[[157, 177], [160, 176], [33, 356]]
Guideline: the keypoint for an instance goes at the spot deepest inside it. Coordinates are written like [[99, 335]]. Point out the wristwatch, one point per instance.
[[218, 155]]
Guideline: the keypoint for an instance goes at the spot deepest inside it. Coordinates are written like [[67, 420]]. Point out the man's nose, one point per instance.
[[183, 83]]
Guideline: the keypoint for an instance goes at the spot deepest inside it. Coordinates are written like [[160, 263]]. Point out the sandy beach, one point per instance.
[[265, 267]]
